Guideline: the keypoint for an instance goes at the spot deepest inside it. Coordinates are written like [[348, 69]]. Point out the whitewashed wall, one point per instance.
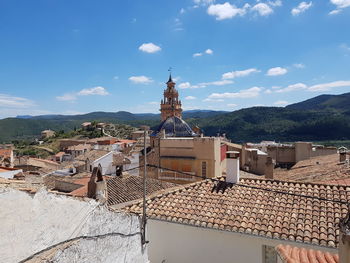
[[171, 242], [30, 224], [106, 163], [10, 174]]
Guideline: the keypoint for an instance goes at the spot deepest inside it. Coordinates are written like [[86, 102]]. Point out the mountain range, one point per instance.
[[325, 117]]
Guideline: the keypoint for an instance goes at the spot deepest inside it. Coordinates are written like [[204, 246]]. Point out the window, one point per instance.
[[269, 254], [204, 169]]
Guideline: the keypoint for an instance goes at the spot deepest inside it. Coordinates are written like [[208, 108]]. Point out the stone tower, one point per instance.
[[170, 105]]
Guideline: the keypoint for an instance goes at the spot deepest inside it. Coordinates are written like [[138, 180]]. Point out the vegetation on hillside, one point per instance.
[[323, 118]]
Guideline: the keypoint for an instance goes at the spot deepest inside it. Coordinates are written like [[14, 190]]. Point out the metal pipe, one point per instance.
[[143, 236]]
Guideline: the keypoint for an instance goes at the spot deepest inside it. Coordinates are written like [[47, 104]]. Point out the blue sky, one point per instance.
[[68, 57]]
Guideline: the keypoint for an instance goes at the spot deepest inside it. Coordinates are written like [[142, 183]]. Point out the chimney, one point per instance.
[[342, 156], [232, 167], [344, 239], [269, 168], [163, 136]]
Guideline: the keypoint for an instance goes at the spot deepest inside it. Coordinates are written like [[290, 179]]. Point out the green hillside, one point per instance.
[[325, 117]]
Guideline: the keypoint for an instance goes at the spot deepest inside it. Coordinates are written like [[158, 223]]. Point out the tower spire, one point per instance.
[[170, 78], [170, 105]]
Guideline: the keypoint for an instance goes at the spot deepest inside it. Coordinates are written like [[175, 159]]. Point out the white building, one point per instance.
[[212, 221]]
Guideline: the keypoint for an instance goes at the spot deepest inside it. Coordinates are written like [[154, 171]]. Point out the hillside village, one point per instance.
[[114, 193]]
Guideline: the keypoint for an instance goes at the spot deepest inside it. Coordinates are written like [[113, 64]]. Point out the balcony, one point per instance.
[[169, 175]]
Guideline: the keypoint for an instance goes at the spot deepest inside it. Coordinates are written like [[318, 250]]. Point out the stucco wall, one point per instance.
[[321, 151], [10, 173], [30, 224], [171, 242], [106, 163], [282, 154]]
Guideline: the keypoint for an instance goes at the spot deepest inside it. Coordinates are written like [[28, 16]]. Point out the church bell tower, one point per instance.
[[170, 105]]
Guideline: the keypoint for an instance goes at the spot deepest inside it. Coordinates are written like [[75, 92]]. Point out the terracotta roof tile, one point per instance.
[[322, 169], [290, 254], [127, 188], [256, 211]]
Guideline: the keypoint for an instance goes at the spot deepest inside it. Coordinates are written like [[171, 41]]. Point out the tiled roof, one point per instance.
[[5, 153], [321, 169], [92, 155], [79, 147], [290, 254], [175, 127], [256, 211], [21, 185], [127, 188]]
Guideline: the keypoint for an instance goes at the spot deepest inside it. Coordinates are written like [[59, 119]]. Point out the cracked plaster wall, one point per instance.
[[30, 224]]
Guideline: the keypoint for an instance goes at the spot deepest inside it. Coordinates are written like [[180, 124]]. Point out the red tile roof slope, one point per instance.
[[291, 254], [321, 169], [5, 153], [256, 211], [127, 188]]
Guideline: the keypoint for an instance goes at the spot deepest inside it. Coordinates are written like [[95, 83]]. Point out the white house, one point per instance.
[[9, 173], [242, 220], [106, 163]]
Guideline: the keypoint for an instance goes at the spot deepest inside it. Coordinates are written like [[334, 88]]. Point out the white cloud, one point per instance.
[[239, 73], [335, 11], [212, 100], [247, 93], [187, 85], [275, 3], [281, 102], [101, 91], [176, 78], [276, 71], [226, 10], [153, 103], [190, 98], [315, 88], [116, 77], [340, 5], [140, 79], [302, 7], [178, 25], [216, 83], [182, 11], [15, 102], [299, 65], [345, 47], [268, 91], [203, 2], [263, 9], [231, 105], [329, 85], [199, 54], [209, 51], [293, 87], [67, 97], [149, 48]]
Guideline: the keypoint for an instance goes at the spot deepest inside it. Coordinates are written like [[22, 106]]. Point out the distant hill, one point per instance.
[[324, 102], [277, 123], [325, 117], [28, 127]]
